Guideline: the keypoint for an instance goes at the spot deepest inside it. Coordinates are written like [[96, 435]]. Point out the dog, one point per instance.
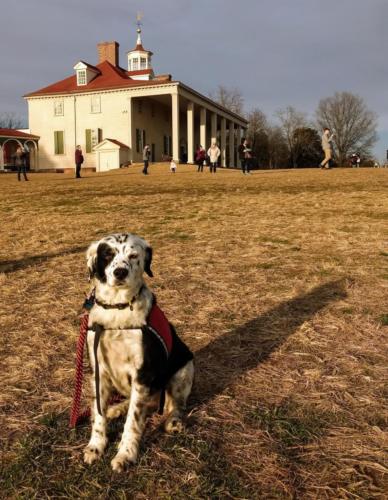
[[126, 352]]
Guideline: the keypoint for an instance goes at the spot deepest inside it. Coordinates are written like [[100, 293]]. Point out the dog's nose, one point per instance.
[[120, 273]]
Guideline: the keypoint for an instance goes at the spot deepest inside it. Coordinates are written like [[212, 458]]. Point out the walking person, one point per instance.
[[213, 153], [247, 157], [200, 158], [327, 146], [79, 159], [20, 162], [241, 154], [146, 158], [172, 167]]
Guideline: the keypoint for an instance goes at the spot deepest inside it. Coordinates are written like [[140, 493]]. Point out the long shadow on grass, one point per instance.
[[10, 266], [228, 357]]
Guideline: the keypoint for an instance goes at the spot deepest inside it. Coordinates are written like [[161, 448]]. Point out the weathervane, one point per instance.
[[139, 17]]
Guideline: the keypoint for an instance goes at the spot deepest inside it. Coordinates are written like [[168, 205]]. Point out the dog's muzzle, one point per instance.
[[120, 273]]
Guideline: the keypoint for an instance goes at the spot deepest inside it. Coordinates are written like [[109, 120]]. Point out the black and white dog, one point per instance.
[[132, 348]]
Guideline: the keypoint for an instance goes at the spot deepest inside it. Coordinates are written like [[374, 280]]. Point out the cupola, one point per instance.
[[139, 60]]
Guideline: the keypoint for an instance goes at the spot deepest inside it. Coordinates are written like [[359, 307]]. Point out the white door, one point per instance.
[[108, 160]]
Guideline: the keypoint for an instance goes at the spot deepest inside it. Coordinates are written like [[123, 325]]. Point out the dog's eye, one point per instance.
[[132, 256]]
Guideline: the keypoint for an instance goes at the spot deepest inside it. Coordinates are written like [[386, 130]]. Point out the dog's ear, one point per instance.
[[147, 261], [91, 259]]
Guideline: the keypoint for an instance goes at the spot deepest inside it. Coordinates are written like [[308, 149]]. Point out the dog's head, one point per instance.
[[119, 259]]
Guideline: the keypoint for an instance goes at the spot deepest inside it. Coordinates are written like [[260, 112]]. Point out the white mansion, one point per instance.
[[112, 112]]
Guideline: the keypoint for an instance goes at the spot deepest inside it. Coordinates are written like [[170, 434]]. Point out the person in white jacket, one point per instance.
[[213, 153]]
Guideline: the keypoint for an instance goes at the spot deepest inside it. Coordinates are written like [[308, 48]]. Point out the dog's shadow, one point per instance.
[[221, 362]]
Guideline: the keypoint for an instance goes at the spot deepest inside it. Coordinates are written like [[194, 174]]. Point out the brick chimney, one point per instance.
[[108, 51]]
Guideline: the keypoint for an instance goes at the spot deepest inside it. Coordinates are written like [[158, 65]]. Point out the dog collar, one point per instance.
[[92, 299]]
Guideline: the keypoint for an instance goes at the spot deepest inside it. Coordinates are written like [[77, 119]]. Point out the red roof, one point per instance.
[[121, 144], [139, 72], [140, 48], [109, 77], [11, 132]]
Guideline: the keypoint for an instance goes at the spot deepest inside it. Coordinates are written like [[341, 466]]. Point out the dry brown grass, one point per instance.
[[277, 281]]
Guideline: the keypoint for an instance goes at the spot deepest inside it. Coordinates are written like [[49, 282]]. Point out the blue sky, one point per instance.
[[277, 52]]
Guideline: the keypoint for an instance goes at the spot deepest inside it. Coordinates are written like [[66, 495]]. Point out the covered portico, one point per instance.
[[10, 140], [195, 119]]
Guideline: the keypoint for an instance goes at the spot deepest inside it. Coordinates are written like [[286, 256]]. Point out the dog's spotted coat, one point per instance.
[[130, 361]]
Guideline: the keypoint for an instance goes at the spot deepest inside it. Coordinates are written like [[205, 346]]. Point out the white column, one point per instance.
[[130, 129], [190, 132], [238, 141], [214, 127], [175, 126], [202, 129], [231, 145], [1, 158], [223, 142]]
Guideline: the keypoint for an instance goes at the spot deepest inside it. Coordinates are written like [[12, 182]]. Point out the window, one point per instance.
[[135, 64], [143, 63], [59, 146], [58, 107], [93, 136], [81, 77], [95, 104]]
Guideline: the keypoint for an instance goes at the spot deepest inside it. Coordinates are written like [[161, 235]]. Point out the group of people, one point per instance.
[[211, 157]]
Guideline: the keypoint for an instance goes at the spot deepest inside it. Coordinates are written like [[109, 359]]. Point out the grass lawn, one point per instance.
[[278, 281]]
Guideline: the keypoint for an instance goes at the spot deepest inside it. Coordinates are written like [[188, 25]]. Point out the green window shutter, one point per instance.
[[137, 140], [61, 145], [88, 140], [58, 142], [144, 138]]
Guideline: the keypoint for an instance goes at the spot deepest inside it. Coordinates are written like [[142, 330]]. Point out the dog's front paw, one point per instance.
[[121, 461], [91, 454], [173, 425]]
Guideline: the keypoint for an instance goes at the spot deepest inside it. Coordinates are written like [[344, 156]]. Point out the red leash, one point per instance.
[[75, 416], [79, 372]]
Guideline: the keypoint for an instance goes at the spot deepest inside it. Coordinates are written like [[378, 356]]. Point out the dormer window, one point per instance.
[[81, 77], [85, 73], [135, 64], [143, 63]]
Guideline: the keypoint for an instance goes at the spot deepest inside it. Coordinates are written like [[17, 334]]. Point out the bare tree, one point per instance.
[[10, 120], [290, 121], [257, 135], [231, 99], [257, 124], [277, 147], [353, 124]]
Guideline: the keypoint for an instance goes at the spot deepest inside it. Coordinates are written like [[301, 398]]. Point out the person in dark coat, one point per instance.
[[20, 162], [200, 158], [79, 159], [241, 154]]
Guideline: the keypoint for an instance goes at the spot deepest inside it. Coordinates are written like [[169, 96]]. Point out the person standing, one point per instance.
[[146, 158], [327, 146], [241, 154], [20, 162], [200, 157], [79, 159], [247, 157], [213, 153], [172, 166]]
